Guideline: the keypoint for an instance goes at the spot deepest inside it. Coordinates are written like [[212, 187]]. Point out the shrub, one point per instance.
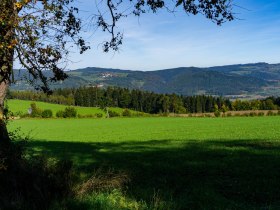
[[85, 116], [217, 113], [47, 113], [99, 115], [113, 113], [80, 116], [126, 113], [269, 113], [70, 112], [18, 114], [229, 114], [245, 115], [60, 113], [36, 112], [260, 114], [67, 113], [141, 114], [34, 182], [252, 114]]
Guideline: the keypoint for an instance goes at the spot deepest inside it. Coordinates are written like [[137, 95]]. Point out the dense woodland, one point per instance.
[[144, 101]]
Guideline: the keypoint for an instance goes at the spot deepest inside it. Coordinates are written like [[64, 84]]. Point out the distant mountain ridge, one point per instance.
[[256, 80]]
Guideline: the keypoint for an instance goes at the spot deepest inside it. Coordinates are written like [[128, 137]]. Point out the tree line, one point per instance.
[[145, 101]]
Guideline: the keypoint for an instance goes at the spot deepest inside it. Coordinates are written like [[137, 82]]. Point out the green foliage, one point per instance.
[[261, 114], [126, 113], [47, 113], [270, 113], [31, 183], [58, 97], [70, 112], [60, 114], [114, 199], [35, 111], [252, 114], [151, 102], [19, 108], [217, 113], [229, 114], [99, 115], [113, 113], [44, 35]]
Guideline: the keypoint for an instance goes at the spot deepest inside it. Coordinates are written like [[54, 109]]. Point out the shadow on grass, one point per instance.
[[237, 174]]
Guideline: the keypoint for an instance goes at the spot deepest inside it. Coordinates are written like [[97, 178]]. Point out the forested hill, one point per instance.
[[260, 79]]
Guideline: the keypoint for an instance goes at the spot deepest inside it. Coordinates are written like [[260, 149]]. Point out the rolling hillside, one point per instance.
[[256, 80]]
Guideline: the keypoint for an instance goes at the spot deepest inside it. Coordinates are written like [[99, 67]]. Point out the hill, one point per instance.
[[19, 107], [255, 80]]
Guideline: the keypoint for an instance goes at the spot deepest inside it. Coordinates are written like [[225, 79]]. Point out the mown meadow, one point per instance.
[[165, 162]]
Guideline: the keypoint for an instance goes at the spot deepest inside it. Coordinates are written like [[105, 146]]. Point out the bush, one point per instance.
[[60, 113], [142, 114], [34, 182], [18, 114], [80, 116], [217, 113], [252, 114], [35, 111], [260, 114], [113, 113], [270, 113], [245, 115], [126, 113], [99, 115], [229, 114], [67, 113], [47, 113], [70, 112], [85, 116]]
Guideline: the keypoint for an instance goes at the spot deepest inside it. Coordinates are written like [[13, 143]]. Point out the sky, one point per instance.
[[164, 40]]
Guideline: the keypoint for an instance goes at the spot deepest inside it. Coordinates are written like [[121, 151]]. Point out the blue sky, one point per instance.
[[163, 40]]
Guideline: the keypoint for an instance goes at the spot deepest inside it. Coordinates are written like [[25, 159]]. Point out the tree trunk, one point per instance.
[[7, 37], [4, 136]]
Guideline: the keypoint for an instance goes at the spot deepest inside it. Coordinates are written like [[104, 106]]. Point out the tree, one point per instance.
[[38, 32]]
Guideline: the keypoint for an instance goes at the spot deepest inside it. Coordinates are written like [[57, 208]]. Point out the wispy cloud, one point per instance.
[[165, 41]]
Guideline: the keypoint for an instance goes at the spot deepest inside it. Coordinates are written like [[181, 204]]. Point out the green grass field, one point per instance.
[[175, 163], [23, 105]]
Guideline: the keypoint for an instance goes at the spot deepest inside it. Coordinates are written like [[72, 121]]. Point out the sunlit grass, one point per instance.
[[145, 129], [188, 163]]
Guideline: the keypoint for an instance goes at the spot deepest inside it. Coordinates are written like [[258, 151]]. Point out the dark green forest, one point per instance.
[[145, 101]]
